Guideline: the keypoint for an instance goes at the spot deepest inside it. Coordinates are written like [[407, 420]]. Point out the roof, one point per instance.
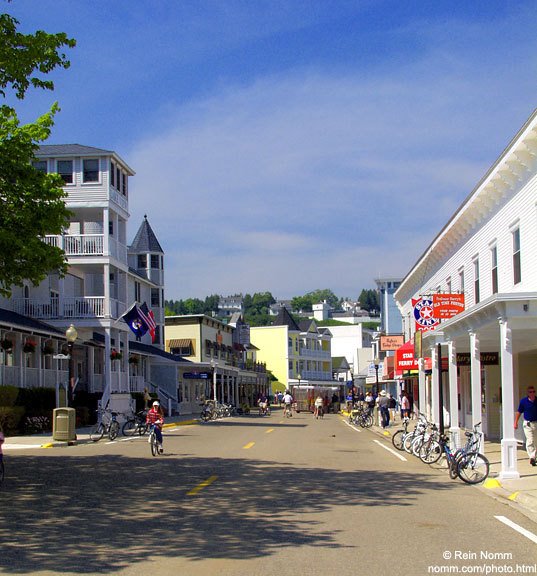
[[12, 319], [339, 362], [285, 319], [145, 349], [308, 325], [61, 150], [145, 239]]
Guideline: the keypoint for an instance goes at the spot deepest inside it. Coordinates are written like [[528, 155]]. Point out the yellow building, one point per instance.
[[219, 368], [299, 355]]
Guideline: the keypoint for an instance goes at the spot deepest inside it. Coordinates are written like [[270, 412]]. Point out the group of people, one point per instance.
[[386, 404]]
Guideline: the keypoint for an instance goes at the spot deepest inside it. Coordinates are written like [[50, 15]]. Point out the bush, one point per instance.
[[8, 395], [37, 401], [85, 404], [10, 418]]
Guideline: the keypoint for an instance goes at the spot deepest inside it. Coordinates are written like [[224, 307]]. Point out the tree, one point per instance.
[[369, 300], [33, 203]]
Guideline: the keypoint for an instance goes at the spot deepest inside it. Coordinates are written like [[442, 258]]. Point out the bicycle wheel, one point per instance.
[[473, 468], [416, 445], [397, 439], [113, 430], [407, 442], [452, 467], [430, 451], [142, 428], [97, 433], [130, 428], [368, 421], [153, 442]]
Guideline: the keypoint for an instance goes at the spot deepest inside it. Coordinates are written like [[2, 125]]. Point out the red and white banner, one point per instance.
[[447, 305], [424, 314]]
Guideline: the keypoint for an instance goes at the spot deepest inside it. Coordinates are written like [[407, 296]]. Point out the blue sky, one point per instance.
[[289, 146]]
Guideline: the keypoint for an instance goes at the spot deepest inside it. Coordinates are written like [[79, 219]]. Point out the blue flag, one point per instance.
[[136, 320]]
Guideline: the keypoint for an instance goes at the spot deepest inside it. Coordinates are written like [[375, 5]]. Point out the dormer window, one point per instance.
[[65, 170], [90, 167]]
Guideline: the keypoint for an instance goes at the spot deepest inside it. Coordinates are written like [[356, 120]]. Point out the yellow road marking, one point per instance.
[[269, 431], [202, 485], [249, 445]]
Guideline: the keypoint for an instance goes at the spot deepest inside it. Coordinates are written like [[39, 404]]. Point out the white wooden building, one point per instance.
[[488, 251]]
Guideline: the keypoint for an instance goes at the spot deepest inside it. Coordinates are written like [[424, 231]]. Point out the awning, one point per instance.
[[180, 343]]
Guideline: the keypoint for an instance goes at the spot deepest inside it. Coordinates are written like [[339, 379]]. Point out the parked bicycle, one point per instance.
[[136, 425], [361, 416], [107, 424]]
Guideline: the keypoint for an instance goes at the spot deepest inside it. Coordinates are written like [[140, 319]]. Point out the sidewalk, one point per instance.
[[521, 491], [82, 436]]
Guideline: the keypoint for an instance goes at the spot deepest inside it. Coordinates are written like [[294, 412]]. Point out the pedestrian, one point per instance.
[[147, 399], [384, 408], [370, 402], [392, 406], [349, 399], [405, 406], [528, 408], [318, 412]]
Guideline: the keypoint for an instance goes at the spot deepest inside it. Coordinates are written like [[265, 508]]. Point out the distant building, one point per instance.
[[391, 321], [229, 305]]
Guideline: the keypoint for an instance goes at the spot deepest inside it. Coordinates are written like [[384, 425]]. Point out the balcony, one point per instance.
[[72, 307], [88, 245]]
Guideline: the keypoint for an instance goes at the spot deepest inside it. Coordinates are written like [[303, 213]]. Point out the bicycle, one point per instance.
[[135, 425], [207, 412], [155, 450], [111, 428], [287, 411], [399, 436]]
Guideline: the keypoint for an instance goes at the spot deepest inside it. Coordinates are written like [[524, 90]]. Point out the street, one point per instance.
[[250, 495]]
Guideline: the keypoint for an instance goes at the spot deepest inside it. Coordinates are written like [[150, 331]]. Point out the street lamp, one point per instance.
[[71, 335], [299, 378]]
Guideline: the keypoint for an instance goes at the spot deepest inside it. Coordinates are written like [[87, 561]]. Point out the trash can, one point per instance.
[[63, 425]]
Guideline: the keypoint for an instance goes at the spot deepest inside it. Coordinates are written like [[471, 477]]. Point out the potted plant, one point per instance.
[[48, 348], [133, 359], [115, 355], [29, 346], [6, 344]]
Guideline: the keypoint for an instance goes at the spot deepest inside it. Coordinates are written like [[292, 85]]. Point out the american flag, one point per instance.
[[149, 319]]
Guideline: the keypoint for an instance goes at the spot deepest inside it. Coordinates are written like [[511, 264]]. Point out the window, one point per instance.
[[155, 297], [448, 285], [142, 261], [90, 170], [137, 292], [111, 227], [118, 178], [461, 280], [124, 185], [155, 261], [494, 268], [112, 174], [476, 280], [65, 170], [517, 272], [40, 165]]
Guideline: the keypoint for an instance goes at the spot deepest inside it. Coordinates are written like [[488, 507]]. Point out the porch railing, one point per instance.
[[71, 307]]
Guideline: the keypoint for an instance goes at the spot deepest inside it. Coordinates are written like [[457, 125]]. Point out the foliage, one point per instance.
[[32, 202], [37, 401], [192, 306], [369, 300], [10, 418], [6, 344], [116, 354], [8, 395], [305, 303]]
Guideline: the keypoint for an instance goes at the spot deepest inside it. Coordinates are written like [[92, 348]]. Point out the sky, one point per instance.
[[289, 146]]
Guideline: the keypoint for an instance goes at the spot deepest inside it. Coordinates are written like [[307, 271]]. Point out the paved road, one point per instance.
[[247, 496]]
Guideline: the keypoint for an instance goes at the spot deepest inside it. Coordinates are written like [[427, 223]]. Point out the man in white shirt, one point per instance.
[[287, 401]]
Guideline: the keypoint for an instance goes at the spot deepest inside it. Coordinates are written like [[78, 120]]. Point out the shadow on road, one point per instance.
[[99, 514]]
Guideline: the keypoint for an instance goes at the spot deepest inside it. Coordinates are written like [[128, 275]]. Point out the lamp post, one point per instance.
[[377, 362], [71, 335]]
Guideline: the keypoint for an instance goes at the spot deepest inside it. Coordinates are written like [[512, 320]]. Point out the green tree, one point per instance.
[[33, 203], [211, 304], [369, 300]]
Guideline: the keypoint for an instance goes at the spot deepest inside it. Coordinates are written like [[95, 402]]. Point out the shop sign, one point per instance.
[[447, 305], [391, 342], [487, 358], [424, 314], [404, 357], [196, 375]]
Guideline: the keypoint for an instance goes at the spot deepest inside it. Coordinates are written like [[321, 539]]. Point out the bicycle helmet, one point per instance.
[[155, 403]]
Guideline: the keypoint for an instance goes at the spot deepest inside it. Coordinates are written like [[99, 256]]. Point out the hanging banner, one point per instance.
[[424, 314], [404, 357], [447, 305], [391, 342]]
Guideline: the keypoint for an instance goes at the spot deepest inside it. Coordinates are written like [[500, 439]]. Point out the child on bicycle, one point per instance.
[[155, 417]]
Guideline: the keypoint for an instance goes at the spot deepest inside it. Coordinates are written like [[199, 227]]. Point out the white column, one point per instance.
[[106, 278], [435, 412], [509, 443], [453, 394], [422, 383], [475, 382]]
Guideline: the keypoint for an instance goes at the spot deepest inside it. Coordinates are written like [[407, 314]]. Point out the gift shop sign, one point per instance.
[[447, 305]]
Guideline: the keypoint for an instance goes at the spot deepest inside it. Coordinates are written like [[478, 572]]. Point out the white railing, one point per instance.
[[78, 244], [10, 375], [137, 383], [119, 199], [71, 307]]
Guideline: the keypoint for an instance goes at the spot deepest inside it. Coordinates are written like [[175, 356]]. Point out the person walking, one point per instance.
[[318, 412], [405, 406], [384, 408], [528, 408]]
